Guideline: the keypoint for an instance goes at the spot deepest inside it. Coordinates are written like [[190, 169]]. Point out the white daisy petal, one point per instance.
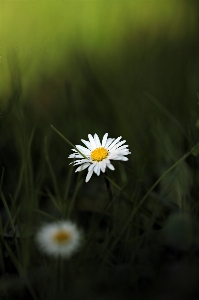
[[121, 148], [124, 153], [124, 158], [119, 152], [75, 156], [92, 141], [103, 166], [80, 161], [91, 166], [82, 167], [118, 145], [97, 169], [88, 176], [104, 139], [111, 167], [114, 143], [120, 157], [108, 142], [83, 149], [72, 156], [88, 145], [97, 140], [106, 161]]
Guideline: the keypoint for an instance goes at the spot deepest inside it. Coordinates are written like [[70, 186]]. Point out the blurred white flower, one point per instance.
[[99, 154], [59, 239]]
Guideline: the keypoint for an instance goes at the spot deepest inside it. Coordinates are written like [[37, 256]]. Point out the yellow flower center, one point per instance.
[[99, 154], [62, 237]]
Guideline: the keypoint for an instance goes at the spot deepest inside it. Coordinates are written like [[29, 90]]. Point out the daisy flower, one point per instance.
[[58, 239], [97, 156]]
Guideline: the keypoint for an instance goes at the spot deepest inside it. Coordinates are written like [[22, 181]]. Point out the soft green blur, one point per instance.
[[128, 68], [47, 35]]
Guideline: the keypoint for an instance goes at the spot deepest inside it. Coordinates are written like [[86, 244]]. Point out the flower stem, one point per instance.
[[110, 196], [63, 137], [108, 186]]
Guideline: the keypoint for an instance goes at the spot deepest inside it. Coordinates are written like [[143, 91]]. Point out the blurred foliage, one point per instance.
[[128, 68], [87, 64]]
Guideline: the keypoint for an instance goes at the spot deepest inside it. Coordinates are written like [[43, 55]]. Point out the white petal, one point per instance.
[[88, 176], [119, 157], [75, 155], [124, 153], [122, 147], [72, 155], [104, 139], [82, 167], [117, 145], [80, 161], [124, 158], [114, 143], [108, 142], [83, 149], [92, 141], [97, 140], [119, 152], [103, 166], [97, 169], [106, 161], [92, 166], [111, 167], [88, 145]]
